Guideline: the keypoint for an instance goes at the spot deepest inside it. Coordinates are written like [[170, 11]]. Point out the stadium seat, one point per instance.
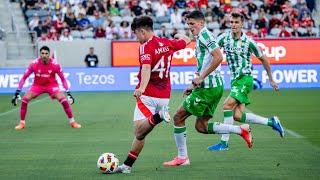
[[258, 3], [128, 18], [163, 19], [156, 26], [167, 25], [75, 34], [316, 30], [179, 26], [302, 30], [213, 25], [116, 19], [30, 13], [234, 3], [275, 31], [87, 34]]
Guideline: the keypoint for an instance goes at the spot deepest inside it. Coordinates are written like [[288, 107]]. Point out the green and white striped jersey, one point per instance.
[[205, 44], [238, 52]]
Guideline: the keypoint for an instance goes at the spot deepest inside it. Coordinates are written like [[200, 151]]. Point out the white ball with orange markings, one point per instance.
[[108, 163]]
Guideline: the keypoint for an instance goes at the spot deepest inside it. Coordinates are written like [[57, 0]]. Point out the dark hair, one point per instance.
[[196, 14], [236, 15], [144, 22], [46, 48]]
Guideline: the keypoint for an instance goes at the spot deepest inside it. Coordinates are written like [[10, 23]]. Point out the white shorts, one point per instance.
[[147, 106]]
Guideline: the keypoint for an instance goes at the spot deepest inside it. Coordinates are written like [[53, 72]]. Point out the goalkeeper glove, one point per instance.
[[69, 97], [16, 97]]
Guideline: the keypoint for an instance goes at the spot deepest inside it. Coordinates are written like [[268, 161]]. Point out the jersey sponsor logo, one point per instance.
[[233, 49], [161, 50], [145, 57], [42, 75]]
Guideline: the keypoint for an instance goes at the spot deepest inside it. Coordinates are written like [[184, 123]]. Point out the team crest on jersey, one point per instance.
[[145, 57]]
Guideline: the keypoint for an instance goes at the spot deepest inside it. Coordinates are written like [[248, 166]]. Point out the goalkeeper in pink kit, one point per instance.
[[45, 70]]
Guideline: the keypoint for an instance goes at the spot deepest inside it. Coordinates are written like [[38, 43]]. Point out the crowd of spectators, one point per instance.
[[66, 20]]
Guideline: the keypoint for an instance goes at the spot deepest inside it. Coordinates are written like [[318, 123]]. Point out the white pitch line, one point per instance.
[[17, 108], [294, 134], [286, 131]]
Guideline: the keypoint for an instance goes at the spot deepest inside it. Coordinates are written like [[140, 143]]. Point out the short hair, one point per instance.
[[144, 22], [46, 48], [196, 14], [236, 15]]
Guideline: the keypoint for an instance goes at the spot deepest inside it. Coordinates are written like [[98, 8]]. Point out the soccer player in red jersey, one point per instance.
[[153, 91], [45, 70]]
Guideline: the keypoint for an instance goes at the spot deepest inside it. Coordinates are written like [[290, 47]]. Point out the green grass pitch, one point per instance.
[[50, 149]]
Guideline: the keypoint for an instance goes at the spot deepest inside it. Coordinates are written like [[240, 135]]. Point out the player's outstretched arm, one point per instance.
[[16, 97], [267, 67], [183, 37]]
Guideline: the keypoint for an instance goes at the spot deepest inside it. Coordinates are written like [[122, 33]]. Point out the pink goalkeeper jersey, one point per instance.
[[44, 74]]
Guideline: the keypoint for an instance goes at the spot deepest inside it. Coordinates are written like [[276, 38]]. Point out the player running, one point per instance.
[[204, 96], [238, 48], [153, 91], [45, 70]]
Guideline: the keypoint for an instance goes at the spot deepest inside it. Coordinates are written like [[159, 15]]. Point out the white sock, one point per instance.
[[228, 119], [219, 128], [256, 119], [180, 136], [71, 120]]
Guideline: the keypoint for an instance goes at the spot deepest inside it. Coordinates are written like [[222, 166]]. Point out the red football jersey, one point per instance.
[[44, 74], [158, 53]]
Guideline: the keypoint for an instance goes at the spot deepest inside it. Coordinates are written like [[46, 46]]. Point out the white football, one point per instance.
[[107, 163]]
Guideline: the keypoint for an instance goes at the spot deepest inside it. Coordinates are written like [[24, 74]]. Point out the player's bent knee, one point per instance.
[[140, 136], [237, 117], [177, 119]]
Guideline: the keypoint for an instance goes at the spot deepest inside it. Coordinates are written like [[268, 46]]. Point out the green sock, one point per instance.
[[210, 128], [243, 118]]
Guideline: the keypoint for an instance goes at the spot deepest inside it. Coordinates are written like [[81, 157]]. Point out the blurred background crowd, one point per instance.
[[66, 20]]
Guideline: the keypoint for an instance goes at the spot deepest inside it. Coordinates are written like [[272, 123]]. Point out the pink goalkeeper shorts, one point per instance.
[[38, 90]]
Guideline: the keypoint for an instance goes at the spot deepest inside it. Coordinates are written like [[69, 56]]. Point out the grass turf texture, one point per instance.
[[50, 149]]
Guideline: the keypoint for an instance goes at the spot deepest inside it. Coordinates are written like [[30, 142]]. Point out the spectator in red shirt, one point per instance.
[[284, 32], [58, 23], [191, 4], [100, 32], [53, 34], [203, 3]]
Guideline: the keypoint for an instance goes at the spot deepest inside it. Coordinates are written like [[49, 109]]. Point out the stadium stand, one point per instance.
[[268, 18]]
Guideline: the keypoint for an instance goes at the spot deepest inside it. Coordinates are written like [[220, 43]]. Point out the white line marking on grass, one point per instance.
[[17, 108], [286, 131], [294, 134]]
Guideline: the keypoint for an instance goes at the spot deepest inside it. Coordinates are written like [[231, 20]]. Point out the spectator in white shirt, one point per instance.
[[34, 22], [65, 35], [160, 9], [175, 17]]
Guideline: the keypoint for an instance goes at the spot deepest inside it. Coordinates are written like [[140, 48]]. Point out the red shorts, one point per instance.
[[51, 90]]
